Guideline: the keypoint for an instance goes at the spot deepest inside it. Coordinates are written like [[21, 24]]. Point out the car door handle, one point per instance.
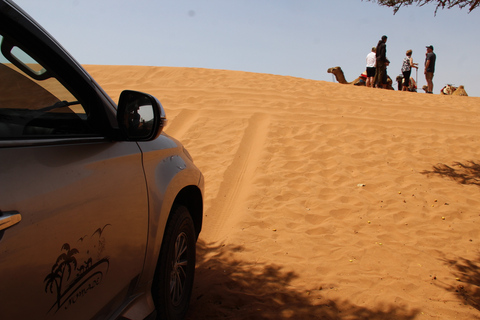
[[9, 218]]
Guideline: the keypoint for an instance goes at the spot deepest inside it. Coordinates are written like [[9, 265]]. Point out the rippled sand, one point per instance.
[[325, 201]]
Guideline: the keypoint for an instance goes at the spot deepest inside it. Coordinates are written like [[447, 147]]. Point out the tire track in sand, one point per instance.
[[182, 123], [227, 208]]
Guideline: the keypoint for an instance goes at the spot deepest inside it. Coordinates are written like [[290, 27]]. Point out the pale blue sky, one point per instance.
[[300, 38]]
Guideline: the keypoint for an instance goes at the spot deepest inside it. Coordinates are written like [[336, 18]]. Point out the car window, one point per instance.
[[33, 105]]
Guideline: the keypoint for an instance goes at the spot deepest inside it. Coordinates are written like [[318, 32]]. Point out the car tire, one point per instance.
[[173, 282]]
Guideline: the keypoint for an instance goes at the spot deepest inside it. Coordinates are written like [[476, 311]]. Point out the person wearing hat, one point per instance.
[[430, 68], [381, 57]]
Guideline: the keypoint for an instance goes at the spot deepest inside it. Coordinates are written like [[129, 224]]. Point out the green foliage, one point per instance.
[[397, 4]]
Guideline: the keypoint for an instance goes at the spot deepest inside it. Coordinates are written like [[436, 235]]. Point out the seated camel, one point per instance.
[[412, 85], [360, 81], [454, 91], [460, 92], [450, 90]]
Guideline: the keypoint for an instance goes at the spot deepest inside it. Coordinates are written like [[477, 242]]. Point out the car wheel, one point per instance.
[[173, 281]]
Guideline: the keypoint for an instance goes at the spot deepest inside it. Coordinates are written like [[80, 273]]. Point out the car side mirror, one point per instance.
[[140, 116]]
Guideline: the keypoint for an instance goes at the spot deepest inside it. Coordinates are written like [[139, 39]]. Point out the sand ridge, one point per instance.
[[324, 201]]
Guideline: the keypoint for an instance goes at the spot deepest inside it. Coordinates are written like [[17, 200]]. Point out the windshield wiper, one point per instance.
[[58, 105]]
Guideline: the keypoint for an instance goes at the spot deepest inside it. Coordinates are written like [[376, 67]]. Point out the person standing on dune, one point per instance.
[[430, 67], [381, 56], [407, 66], [371, 63]]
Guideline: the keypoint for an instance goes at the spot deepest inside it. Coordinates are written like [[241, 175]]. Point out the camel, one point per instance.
[[412, 86], [450, 90], [454, 91], [338, 73], [360, 81], [460, 92]]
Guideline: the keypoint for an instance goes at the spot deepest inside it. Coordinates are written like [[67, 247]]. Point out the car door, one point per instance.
[[73, 204]]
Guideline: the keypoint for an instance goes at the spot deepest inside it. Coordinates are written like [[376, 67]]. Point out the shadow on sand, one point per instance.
[[463, 173], [226, 288], [467, 272]]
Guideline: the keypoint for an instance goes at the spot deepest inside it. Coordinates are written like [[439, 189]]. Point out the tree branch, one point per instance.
[[397, 4]]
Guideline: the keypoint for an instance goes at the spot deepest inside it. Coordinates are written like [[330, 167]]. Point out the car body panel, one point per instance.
[[86, 201], [165, 180]]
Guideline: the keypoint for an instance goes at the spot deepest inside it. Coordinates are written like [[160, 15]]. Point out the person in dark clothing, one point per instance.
[[381, 56], [430, 68], [385, 75]]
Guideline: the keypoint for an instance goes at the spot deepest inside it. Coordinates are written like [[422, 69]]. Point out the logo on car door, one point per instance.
[[78, 270]]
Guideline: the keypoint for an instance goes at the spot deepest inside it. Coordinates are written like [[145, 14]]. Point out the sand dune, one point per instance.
[[325, 201]]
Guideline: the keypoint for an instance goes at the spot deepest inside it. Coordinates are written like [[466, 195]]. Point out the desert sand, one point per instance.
[[323, 200]]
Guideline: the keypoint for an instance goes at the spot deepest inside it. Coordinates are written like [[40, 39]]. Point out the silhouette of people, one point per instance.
[[134, 118], [381, 59], [384, 84]]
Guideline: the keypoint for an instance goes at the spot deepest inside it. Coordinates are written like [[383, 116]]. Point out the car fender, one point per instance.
[[168, 171]]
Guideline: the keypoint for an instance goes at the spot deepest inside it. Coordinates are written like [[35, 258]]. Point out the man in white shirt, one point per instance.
[[371, 63]]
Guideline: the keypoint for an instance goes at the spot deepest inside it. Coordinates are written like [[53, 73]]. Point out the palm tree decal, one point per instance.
[[69, 279], [61, 272]]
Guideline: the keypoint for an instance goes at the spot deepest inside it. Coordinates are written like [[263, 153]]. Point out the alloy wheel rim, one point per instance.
[[178, 275]]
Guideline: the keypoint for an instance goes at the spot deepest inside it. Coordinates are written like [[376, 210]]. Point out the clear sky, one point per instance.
[[300, 38]]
